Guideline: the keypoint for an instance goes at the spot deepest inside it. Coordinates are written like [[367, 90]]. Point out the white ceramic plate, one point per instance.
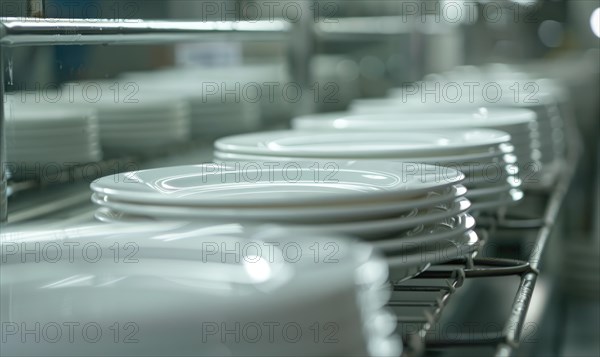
[[172, 124], [493, 202], [58, 155], [25, 139], [364, 145], [491, 155], [88, 127], [300, 183], [443, 230], [424, 119], [373, 229], [309, 214], [153, 119], [76, 157], [57, 145], [439, 252], [119, 137], [176, 277], [41, 117]]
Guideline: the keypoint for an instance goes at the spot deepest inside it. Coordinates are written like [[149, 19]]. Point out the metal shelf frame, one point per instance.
[[302, 37], [442, 280], [39, 31], [453, 275]]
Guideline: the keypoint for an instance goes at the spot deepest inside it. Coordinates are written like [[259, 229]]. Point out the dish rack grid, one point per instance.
[[417, 318], [441, 280]]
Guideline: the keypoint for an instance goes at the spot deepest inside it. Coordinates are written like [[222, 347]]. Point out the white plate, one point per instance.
[[301, 183], [364, 145], [443, 230], [176, 277], [47, 133], [502, 165], [439, 252], [42, 116], [478, 184], [72, 143], [73, 158], [175, 123], [145, 135], [495, 155], [496, 201], [143, 142], [309, 214], [479, 193], [151, 119], [46, 136], [141, 146], [56, 153], [423, 119], [370, 229]]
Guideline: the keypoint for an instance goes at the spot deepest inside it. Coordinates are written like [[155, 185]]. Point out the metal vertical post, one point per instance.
[[3, 174], [35, 8], [301, 50]]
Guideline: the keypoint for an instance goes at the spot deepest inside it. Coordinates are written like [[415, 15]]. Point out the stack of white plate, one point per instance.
[[491, 177], [213, 111], [133, 121], [405, 207], [226, 100], [42, 139], [519, 123], [150, 290], [544, 97]]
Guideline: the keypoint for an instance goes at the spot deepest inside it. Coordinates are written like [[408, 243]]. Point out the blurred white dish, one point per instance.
[[41, 135], [184, 277]]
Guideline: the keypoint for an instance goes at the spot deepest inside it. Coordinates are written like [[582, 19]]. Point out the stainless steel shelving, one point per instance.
[[439, 283], [44, 31], [442, 281]]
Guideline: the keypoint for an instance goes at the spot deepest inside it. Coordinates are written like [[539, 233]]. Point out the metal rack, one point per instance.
[[43, 31], [417, 316], [39, 31], [442, 281]]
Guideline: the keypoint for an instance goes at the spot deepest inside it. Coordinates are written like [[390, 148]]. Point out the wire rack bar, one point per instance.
[[453, 274], [52, 31]]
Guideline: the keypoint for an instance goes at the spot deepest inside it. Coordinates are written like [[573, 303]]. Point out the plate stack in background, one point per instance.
[[493, 88], [226, 100], [44, 139], [483, 155], [131, 121], [521, 124]]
